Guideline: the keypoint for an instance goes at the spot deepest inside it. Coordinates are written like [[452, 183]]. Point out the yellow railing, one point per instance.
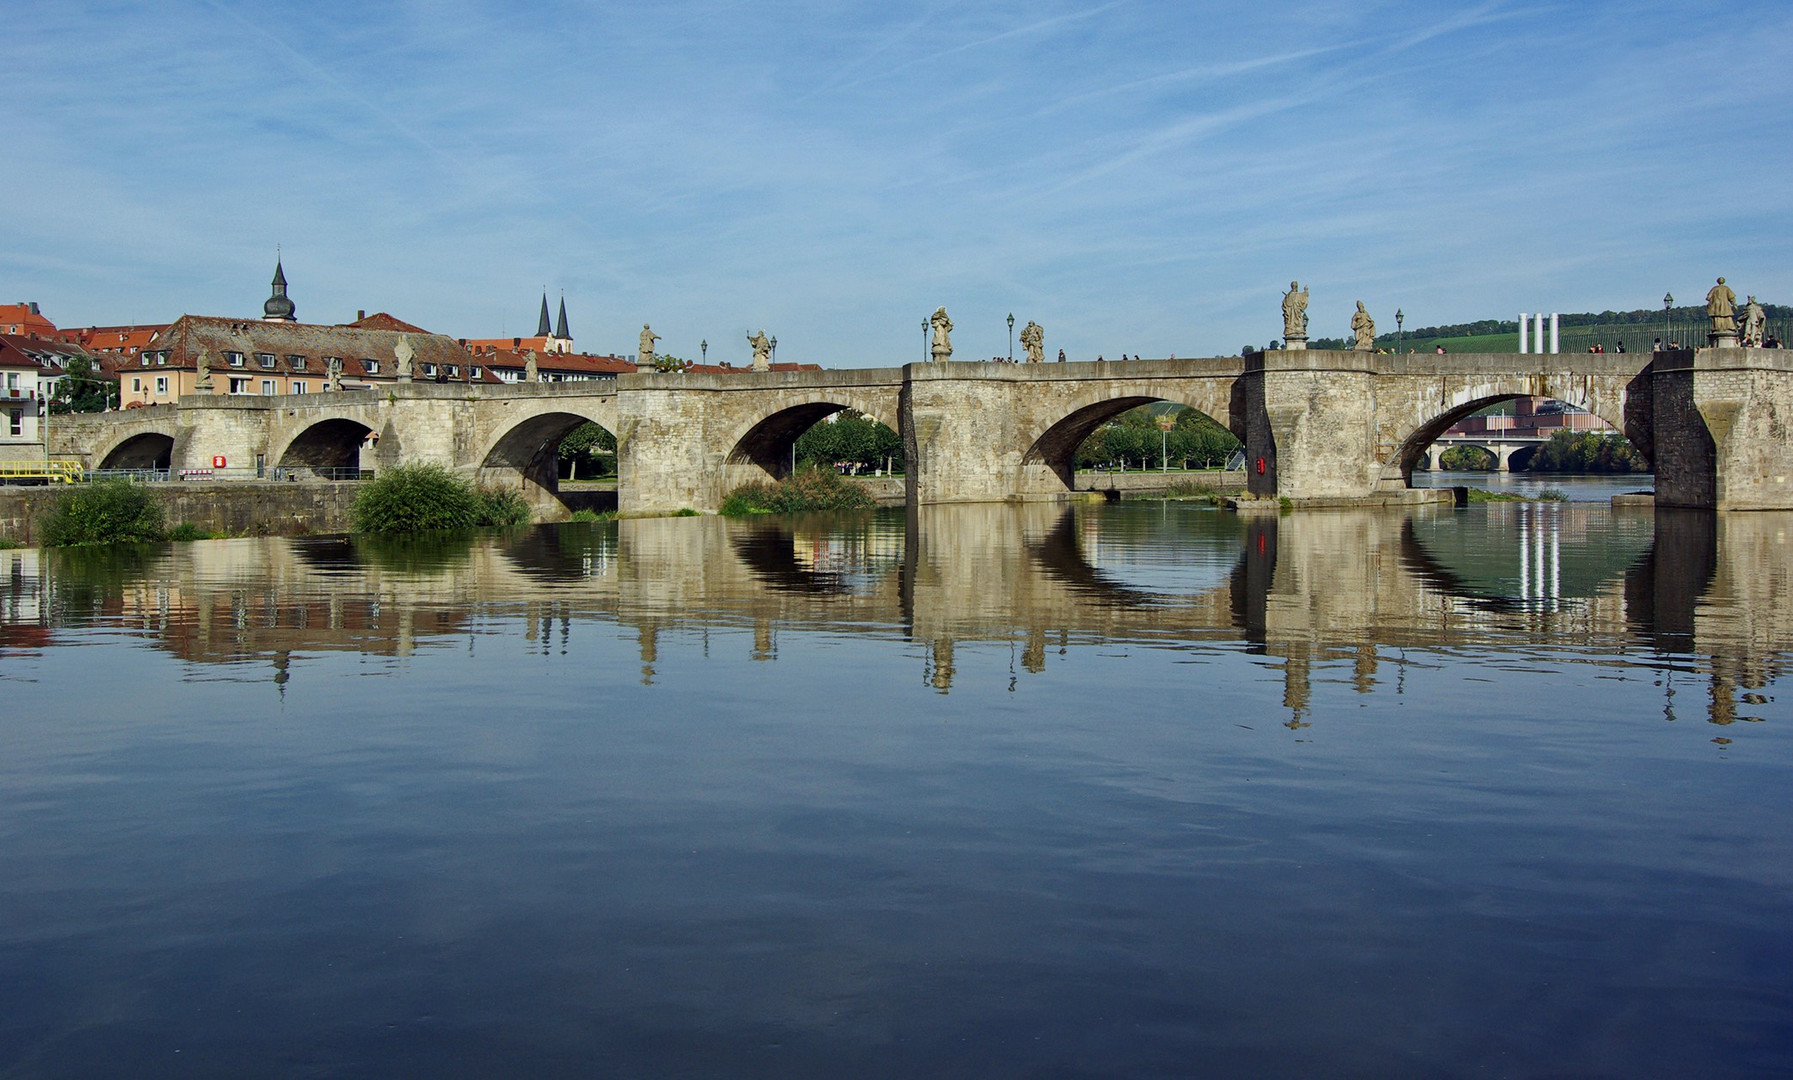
[[54, 472]]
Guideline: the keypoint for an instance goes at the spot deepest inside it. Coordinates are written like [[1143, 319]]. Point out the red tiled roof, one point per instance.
[[27, 321], [379, 320], [22, 350], [563, 363], [728, 369], [121, 339], [186, 336]]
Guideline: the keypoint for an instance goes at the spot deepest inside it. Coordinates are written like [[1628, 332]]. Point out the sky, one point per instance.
[[1140, 177]]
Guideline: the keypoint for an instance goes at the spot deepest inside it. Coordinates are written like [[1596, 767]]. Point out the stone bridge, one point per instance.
[[1319, 427]]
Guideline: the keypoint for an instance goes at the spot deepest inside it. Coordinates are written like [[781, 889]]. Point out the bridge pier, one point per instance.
[[1724, 428]]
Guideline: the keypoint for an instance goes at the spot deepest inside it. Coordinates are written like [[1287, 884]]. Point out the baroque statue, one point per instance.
[[1363, 329], [644, 353], [942, 349], [333, 373], [1755, 323], [762, 351], [1294, 313], [1721, 308], [1033, 339], [403, 352], [204, 363], [531, 373]]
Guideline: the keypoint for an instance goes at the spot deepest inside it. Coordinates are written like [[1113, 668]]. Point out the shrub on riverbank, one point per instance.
[[108, 512], [809, 489], [429, 498]]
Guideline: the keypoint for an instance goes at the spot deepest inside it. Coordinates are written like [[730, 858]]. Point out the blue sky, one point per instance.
[[1139, 177]]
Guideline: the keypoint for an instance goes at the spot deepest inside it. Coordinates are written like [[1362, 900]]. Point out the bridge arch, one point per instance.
[[762, 448], [152, 449], [332, 443], [527, 452], [1053, 451], [1424, 422]]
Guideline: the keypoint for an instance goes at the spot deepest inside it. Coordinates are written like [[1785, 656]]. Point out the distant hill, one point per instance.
[[1577, 331]]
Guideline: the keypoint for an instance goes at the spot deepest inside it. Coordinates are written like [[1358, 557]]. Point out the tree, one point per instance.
[[590, 445], [850, 437], [1466, 459], [83, 390]]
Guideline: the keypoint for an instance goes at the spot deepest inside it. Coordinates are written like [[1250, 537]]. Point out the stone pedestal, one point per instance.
[[1296, 343], [1722, 340]]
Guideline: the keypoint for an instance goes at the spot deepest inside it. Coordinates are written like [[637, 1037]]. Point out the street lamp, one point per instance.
[[774, 344], [1011, 337], [1668, 319], [1399, 336], [925, 355], [705, 346]]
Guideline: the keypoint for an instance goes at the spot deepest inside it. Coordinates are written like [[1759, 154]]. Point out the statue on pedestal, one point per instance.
[[1033, 339], [762, 351], [204, 363], [1721, 309], [531, 373], [1755, 323], [1294, 317], [644, 353], [333, 373], [403, 352], [1363, 329], [942, 349]]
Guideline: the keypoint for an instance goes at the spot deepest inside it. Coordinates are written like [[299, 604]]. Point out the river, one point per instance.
[[1130, 789]]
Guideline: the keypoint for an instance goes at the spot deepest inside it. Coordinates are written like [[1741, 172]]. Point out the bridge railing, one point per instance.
[[47, 472], [140, 476]]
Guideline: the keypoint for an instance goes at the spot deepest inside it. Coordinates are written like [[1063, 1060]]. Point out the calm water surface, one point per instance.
[[1133, 790]]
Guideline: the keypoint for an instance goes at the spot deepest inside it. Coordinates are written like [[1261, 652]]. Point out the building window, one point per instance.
[[145, 358], [373, 366], [18, 421], [266, 359], [299, 386], [234, 359], [162, 358], [137, 384], [268, 388], [161, 385], [454, 371], [295, 363], [12, 380], [473, 372], [239, 386]]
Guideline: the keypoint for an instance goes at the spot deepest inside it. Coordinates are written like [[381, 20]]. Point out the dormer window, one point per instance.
[[145, 358], [266, 359], [473, 372], [429, 370], [234, 359], [162, 358], [372, 366], [454, 371], [295, 363]]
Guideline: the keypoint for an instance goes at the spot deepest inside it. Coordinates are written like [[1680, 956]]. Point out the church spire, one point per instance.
[[560, 327], [278, 307], [543, 327]]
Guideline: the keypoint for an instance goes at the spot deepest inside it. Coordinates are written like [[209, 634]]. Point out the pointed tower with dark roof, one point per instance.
[[279, 308], [561, 340], [544, 328]]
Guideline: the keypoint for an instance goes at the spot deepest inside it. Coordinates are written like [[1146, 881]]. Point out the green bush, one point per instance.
[[109, 512], [415, 498], [7, 543], [186, 530], [809, 489], [588, 514], [502, 507]]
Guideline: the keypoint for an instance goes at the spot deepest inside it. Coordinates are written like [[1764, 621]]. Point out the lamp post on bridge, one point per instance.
[[925, 356], [1011, 337], [774, 344], [1400, 337], [705, 346]]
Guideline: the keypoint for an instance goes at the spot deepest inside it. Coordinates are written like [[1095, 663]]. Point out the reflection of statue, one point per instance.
[[1721, 308], [404, 353], [762, 351], [1033, 339], [204, 363], [333, 373], [1294, 314], [531, 373], [644, 353], [1755, 323], [1363, 328], [943, 326]]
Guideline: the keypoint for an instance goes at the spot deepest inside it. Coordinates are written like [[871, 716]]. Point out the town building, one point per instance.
[[23, 318], [29, 369], [549, 337], [277, 354]]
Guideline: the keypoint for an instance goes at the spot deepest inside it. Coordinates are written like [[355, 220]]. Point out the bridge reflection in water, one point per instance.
[[1687, 594]]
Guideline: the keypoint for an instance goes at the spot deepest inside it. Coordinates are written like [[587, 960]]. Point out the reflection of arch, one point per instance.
[[531, 447], [145, 450], [767, 443], [1056, 447], [769, 553], [328, 444]]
